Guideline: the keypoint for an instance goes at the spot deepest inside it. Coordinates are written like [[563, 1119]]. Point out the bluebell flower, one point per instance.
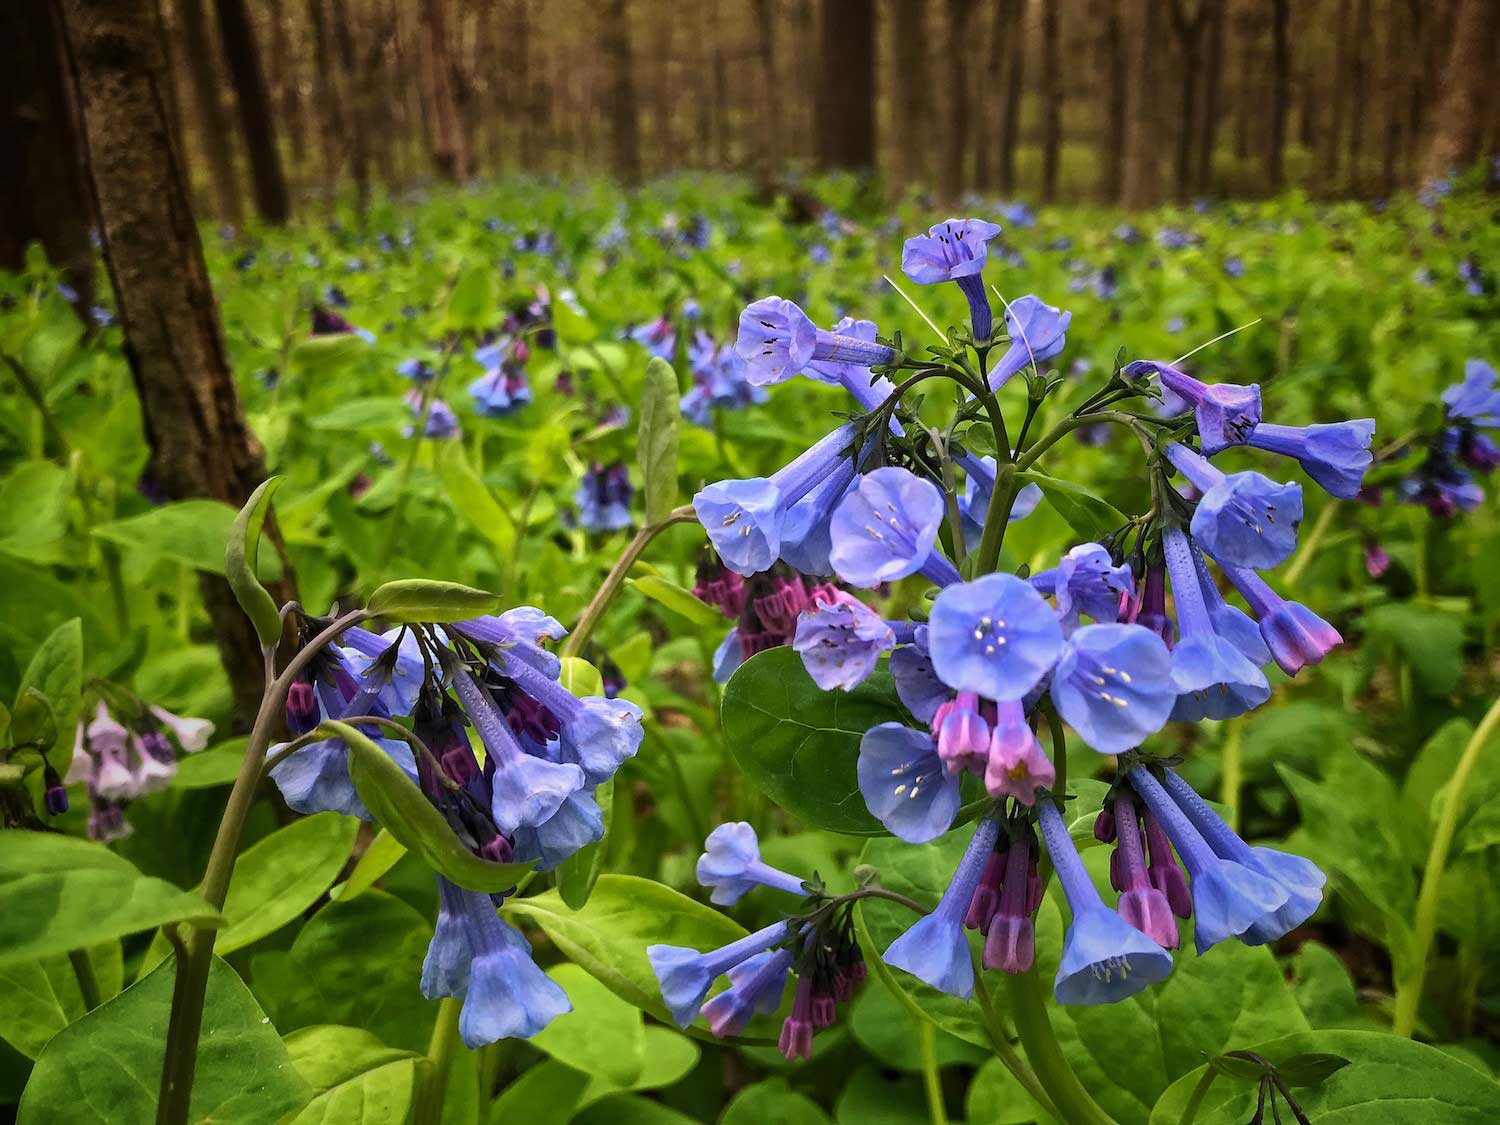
[[905, 784], [917, 683], [963, 734], [521, 632], [1174, 325], [756, 986], [1228, 897], [731, 865], [417, 370], [596, 732], [1005, 915], [1017, 766], [1173, 238], [1477, 399], [1037, 332], [603, 498], [854, 377], [394, 655], [886, 528], [442, 423], [955, 250], [994, 635], [685, 975], [1294, 634], [1244, 519], [658, 337], [1301, 879], [1234, 267], [1085, 582], [475, 955], [1336, 454], [1141, 903], [936, 949], [577, 823], [500, 391], [807, 533], [1105, 959], [1230, 622], [1113, 685], [1227, 413], [840, 642], [974, 501], [727, 657], [777, 340]]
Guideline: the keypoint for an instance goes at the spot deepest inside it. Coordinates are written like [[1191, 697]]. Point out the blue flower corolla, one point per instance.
[[501, 391], [936, 949], [731, 865], [955, 250], [1301, 879], [1230, 622], [728, 656], [1105, 959], [806, 533], [1227, 413], [1477, 399], [520, 632], [1244, 519], [905, 784], [361, 652], [603, 498], [756, 985], [995, 636], [526, 790], [778, 340], [1113, 685], [917, 683], [441, 424], [597, 733], [1294, 634], [1085, 581], [1335, 454], [577, 823], [658, 338], [974, 502], [1212, 677], [685, 975], [417, 370], [853, 377], [475, 955], [745, 519], [841, 642], [1228, 897], [886, 528], [1038, 331], [1017, 765]]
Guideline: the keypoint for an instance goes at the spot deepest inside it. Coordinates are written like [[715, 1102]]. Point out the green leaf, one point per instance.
[[577, 874], [400, 807], [56, 671], [1390, 1081], [40, 998], [472, 499], [384, 852], [34, 511], [624, 915], [59, 893], [358, 1079], [214, 765], [656, 439], [320, 357], [107, 1066], [996, 1098], [358, 414], [800, 744], [472, 302], [773, 1100], [675, 598], [1429, 640], [1311, 1068], [552, 1091], [190, 533], [282, 875], [603, 1035], [580, 677], [423, 599], [240, 556], [1088, 515]]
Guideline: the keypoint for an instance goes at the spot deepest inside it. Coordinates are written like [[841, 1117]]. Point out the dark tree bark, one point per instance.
[[846, 88], [1212, 96], [1333, 139], [1459, 120], [326, 102], [200, 444], [285, 95], [769, 148], [1051, 102], [1358, 91], [355, 105], [449, 146], [254, 100], [1142, 171], [912, 109], [1010, 80], [624, 123], [1112, 116], [214, 134], [1281, 91], [956, 139], [42, 194]]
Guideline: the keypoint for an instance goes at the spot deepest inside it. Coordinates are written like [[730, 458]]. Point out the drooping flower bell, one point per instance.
[[995, 636], [1294, 634], [1243, 519], [1113, 685], [1017, 765], [731, 865], [1227, 413], [685, 975], [955, 250], [905, 784], [1335, 454], [1141, 903], [1010, 932], [840, 642], [777, 340], [1085, 581], [1037, 332]]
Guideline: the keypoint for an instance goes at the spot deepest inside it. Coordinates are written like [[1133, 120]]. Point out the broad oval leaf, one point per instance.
[[423, 599], [358, 1079], [801, 744], [278, 878], [603, 1035], [56, 671], [384, 852], [240, 559], [656, 439], [1088, 515], [40, 998], [675, 598]]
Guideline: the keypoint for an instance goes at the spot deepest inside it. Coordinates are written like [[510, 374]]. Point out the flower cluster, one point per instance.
[[119, 761], [603, 497], [1086, 645], [503, 388], [766, 608], [524, 793], [719, 381], [1444, 482]]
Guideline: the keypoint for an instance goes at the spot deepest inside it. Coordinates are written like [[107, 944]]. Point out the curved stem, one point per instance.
[[440, 1058], [83, 969], [1309, 549], [1409, 991], [932, 1079], [1029, 1010], [1231, 764], [616, 578], [1067, 426], [1006, 1052]]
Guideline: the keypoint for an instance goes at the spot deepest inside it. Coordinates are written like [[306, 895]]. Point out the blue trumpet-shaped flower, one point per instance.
[[394, 655], [685, 975], [840, 642], [1230, 622], [995, 636], [886, 528], [807, 531], [596, 732], [1105, 959], [1113, 685], [731, 865], [1244, 519], [521, 633], [955, 250], [1336, 454], [756, 987], [1228, 897], [1227, 413], [1294, 634], [1085, 581], [936, 949], [905, 784], [917, 683], [855, 378], [974, 501], [1476, 400], [1301, 879], [577, 823], [1037, 332], [777, 340]]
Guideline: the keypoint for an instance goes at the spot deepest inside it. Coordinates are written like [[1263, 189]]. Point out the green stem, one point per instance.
[[690, 807], [1309, 549], [1232, 764], [932, 1079], [1409, 990], [616, 578], [37, 398], [439, 1057], [1006, 1052], [83, 969], [1002, 499], [1200, 1091], [1028, 1008]]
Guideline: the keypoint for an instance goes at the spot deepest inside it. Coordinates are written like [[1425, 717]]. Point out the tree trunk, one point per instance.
[[1358, 85], [624, 123], [956, 139], [771, 150], [200, 444], [448, 146], [42, 195], [214, 133], [1212, 97], [256, 121], [284, 85], [1141, 172], [1010, 79], [356, 107], [1281, 90], [912, 109], [1189, 34], [846, 88], [326, 102], [1051, 102], [1460, 114], [1112, 118]]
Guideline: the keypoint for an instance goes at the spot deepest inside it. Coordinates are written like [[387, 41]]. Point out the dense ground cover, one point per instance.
[[409, 450]]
